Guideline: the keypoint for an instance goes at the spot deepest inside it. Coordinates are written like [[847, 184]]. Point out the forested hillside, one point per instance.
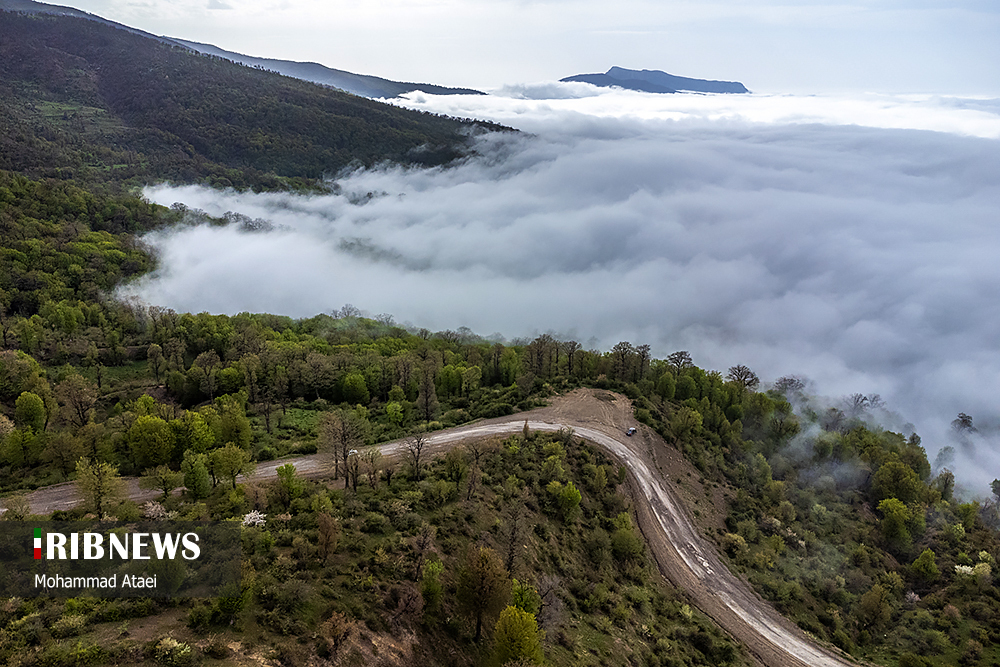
[[83, 100], [844, 526], [521, 548]]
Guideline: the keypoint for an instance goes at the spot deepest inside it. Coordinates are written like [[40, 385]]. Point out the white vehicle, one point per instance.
[[631, 431]]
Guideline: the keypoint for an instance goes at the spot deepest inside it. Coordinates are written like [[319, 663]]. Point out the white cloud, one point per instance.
[[810, 236]]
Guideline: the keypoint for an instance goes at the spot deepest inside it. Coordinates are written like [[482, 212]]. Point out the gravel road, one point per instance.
[[687, 559]]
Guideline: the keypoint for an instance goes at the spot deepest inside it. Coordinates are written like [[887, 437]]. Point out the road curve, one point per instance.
[[682, 555], [743, 613]]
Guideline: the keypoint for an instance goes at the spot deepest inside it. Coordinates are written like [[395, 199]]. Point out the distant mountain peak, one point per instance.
[[656, 81]]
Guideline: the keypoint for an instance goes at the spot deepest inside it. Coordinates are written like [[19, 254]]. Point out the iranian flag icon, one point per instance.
[[38, 543]]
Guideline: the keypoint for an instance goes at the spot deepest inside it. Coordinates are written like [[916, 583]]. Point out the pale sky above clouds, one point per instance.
[[913, 46]]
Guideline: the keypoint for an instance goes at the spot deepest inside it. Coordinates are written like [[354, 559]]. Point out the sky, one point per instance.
[[847, 239], [808, 47]]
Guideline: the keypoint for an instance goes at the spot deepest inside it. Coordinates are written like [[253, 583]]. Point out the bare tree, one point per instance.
[[78, 397], [477, 449], [388, 470], [857, 404], [680, 360], [340, 432], [415, 447], [329, 535], [423, 544], [744, 377], [571, 347], [513, 533], [789, 385], [548, 591], [371, 461], [963, 424], [352, 470]]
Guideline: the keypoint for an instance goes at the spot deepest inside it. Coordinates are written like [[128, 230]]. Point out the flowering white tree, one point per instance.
[[254, 518]]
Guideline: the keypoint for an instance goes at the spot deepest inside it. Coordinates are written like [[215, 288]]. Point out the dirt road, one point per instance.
[[682, 554]]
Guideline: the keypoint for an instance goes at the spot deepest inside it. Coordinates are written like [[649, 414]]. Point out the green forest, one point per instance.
[[517, 550], [85, 101]]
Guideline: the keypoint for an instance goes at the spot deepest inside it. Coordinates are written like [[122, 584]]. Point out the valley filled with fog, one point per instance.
[[850, 241]]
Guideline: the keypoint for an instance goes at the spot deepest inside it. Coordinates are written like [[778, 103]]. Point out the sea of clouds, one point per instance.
[[850, 240]]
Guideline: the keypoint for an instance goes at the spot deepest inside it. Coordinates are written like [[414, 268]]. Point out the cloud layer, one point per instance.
[[861, 257]]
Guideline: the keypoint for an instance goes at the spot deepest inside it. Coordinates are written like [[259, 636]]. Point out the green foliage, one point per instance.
[[895, 479], [29, 412], [626, 546], [517, 637], [229, 420], [162, 478], [172, 653], [430, 588], [289, 486], [196, 476], [99, 484], [151, 441], [896, 518], [230, 462], [525, 597], [567, 498], [198, 118], [354, 390], [925, 568], [875, 608]]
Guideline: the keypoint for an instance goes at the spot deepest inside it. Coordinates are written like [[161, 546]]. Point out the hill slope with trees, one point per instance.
[[844, 525], [84, 100]]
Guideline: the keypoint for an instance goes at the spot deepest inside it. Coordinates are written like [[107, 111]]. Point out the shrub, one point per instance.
[[69, 626], [626, 545], [172, 653]]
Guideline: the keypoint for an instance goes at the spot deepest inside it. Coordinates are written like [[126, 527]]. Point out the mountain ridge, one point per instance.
[[656, 81], [363, 85], [83, 99]]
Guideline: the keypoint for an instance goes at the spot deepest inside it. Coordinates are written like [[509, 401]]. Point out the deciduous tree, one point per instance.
[[151, 441], [29, 411], [163, 478], [743, 377], [415, 448], [99, 484], [483, 586], [77, 395], [196, 476], [340, 432], [230, 462], [517, 638], [925, 567]]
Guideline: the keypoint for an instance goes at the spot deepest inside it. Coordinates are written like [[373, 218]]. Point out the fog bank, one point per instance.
[[842, 240]]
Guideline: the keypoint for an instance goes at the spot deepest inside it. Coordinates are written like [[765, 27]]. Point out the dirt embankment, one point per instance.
[[666, 490]]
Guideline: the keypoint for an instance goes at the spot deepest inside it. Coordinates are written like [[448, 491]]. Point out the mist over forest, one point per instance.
[[838, 240]]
